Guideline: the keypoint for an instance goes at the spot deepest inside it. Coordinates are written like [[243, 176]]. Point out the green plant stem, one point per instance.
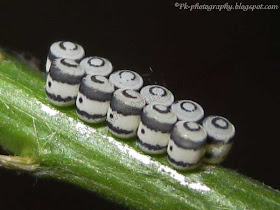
[[52, 142]]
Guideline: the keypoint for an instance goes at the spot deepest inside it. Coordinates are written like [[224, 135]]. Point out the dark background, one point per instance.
[[226, 61]]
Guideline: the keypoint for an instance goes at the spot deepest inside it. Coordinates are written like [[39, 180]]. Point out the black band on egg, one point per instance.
[[94, 94], [90, 64], [212, 155], [118, 130], [58, 98], [152, 93], [166, 111], [124, 109], [183, 108], [61, 45], [57, 75], [189, 128], [212, 140], [52, 57], [155, 125], [94, 79], [65, 63], [90, 116], [181, 163], [126, 94], [121, 72], [214, 122], [150, 146], [186, 144]]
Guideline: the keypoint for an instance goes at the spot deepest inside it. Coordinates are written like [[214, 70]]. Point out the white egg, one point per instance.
[[124, 113], [63, 82], [97, 66], [93, 99], [155, 94], [155, 127], [64, 49], [186, 146], [220, 138], [126, 79], [187, 110]]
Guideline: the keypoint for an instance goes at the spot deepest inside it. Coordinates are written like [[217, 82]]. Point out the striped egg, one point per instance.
[[63, 82], [93, 99], [220, 138], [64, 49], [126, 79], [187, 110], [124, 113], [156, 94], [155, 127], [97, 66], [186, 146]]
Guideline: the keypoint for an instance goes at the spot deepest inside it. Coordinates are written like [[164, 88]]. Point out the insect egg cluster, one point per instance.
[[131, 110]]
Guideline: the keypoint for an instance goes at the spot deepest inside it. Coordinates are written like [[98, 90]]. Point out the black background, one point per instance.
[[226, 61]]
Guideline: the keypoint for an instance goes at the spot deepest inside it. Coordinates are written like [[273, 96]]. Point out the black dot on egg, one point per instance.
[[170, 148], [142, 131], [111, 116], [49, 84], [80, 100]]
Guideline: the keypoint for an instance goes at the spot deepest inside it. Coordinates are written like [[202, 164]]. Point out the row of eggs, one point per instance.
[[151, 114]]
